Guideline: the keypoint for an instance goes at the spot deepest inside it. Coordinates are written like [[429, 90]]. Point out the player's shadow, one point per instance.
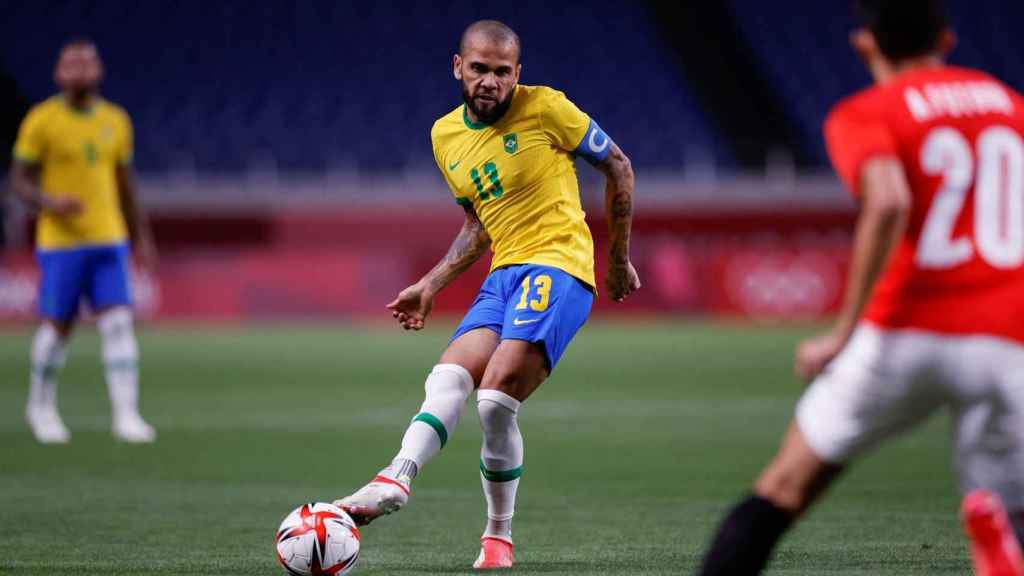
[[552, 567]]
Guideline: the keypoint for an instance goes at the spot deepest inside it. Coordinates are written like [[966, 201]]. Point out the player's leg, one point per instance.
[[877, 387], [546, 309], [516, 370], [60, 288], [748, 534], [110, 296], [47, 358], [447, 387], [990, 450]]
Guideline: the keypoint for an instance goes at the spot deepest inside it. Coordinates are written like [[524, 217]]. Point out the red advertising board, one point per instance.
[[306, 265]]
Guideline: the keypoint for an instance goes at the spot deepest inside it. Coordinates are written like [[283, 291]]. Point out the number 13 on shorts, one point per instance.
[[540, 287]]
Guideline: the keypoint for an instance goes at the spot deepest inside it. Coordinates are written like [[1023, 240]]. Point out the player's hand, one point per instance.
[[63, 206], [622, 281], [412, 307], [814, 354]]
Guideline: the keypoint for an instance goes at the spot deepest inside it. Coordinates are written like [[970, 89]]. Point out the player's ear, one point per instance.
[[947, 42], [457, 67], [519, 71], [864, 44]]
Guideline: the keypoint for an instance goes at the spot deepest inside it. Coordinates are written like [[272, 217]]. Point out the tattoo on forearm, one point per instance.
[[618, 203], [467, 248], [621, 207]]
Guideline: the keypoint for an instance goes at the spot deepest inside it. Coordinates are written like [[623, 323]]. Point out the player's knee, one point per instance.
[[489, 413], [61, 329], [114, 320], [497, 411], [505, 379], [506, 374], [449, 380], [473, 366], [117, 331]]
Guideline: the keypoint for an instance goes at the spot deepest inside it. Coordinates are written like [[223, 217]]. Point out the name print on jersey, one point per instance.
[[957, 99]]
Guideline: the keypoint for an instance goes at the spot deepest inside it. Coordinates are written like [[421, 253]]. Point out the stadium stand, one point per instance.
[[304, 87], [804, 50]]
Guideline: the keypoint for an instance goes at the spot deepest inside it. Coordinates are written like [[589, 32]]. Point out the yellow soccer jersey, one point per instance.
[[78, 153], [519, 176]]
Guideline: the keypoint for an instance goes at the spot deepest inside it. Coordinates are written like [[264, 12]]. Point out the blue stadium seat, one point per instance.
[[803, 46], [233, 86]]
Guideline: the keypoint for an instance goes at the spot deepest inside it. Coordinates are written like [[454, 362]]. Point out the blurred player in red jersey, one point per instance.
[[933, 314]]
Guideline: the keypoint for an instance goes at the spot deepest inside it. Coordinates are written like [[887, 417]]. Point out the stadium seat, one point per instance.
[[214, 89]]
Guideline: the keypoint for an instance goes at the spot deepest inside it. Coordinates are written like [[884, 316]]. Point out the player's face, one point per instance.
[[489, 73], [79, 69]]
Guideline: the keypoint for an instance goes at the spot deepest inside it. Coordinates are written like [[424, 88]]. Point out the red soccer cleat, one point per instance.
[[495, 553], [994, 546]]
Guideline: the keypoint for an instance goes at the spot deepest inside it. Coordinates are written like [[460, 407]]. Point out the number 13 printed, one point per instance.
[[543, 291]]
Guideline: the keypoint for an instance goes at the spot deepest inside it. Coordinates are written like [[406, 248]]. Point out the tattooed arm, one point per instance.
[[622, 278], [413, 304]]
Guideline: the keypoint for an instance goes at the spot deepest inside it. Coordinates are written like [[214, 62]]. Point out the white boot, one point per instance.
[[46, 425], [382, 496]]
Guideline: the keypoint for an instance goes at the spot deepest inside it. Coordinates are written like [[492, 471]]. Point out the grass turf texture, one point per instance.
[[635, 447]]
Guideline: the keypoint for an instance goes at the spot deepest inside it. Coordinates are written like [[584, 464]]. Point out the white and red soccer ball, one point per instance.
[[318, 539]]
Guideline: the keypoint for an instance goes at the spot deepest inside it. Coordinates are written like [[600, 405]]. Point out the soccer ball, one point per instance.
[[318, 539]]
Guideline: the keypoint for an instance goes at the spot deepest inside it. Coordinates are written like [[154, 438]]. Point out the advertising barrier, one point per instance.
[[304, 264]]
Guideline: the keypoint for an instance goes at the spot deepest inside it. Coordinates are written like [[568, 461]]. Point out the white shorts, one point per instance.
[[886, 381]]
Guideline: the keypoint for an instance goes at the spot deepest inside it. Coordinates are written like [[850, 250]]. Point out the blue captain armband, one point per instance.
[[595, 145]]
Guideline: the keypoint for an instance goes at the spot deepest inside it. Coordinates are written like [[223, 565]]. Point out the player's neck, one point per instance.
[[80, 101], [884, 70], [473, 118]]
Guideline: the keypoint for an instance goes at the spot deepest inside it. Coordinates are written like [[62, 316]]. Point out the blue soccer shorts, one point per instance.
[[532, 303], [97, 273]]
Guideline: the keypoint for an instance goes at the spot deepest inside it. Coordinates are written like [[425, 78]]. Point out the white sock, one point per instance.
[[501, 459], [120, 361], [447, 388], [47, 358]]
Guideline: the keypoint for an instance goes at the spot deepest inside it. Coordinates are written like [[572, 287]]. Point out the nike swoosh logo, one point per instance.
[[455, 165], [518, 322]]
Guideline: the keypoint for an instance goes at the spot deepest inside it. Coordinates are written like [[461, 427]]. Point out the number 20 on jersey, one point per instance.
[[996, 171]]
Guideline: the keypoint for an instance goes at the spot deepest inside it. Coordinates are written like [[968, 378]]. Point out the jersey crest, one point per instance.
[[511, 143]]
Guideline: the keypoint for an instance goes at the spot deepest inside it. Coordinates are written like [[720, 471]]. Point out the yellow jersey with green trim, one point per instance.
[[519, 175], [78, 153]]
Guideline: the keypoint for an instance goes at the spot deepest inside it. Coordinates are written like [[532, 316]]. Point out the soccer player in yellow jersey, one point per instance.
[[507, 154], [72, 164]]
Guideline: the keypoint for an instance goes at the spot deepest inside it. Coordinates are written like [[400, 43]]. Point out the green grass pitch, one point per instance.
[[634, 448]]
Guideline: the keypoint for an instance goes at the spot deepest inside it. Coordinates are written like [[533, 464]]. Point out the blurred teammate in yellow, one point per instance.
[[72, 165], [507, 154]]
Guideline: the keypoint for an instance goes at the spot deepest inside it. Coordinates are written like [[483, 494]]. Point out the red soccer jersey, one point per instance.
[[959, 133]]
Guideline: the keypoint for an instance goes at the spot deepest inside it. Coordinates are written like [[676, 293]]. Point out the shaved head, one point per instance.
[[490, 31], [79, 42]]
